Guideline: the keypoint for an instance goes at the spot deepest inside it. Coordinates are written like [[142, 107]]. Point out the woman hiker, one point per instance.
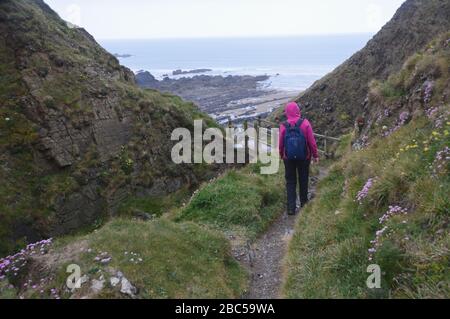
[[297, 147]]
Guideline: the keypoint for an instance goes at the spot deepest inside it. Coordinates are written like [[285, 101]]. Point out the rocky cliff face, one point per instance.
[[77, 136], [335, 101]]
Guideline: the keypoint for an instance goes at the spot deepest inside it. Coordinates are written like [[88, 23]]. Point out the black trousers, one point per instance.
[[293, 170]]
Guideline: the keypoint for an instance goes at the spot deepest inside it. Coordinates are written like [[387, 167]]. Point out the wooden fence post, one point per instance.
[[257, 125], [246, 150]]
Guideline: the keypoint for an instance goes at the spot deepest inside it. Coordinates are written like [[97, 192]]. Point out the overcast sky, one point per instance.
[[138, 19]]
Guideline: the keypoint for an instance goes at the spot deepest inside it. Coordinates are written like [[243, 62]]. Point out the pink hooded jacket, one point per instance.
[[293, 115]]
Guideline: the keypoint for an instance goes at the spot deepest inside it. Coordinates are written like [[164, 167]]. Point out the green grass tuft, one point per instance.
[[242, 199]]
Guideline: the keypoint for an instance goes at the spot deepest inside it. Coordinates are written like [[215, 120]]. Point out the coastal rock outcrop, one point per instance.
[[145, 79], [211, 93]]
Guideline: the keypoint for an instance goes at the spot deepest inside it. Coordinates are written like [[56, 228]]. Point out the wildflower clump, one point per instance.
[[431, 112], [134, 258], [11, 265], [402, 119], [362, 194], [428, 91], [440, 164], [376, 243], [39, 287], [438, 115], [382, 115], [393, 210]]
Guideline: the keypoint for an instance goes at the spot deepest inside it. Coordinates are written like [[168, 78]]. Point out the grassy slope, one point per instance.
[[328, 255]]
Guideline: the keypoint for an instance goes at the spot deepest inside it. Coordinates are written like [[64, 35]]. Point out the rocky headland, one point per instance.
[[232, 96]]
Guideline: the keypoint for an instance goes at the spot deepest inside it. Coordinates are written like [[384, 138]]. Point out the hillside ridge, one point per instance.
[[334, 102]]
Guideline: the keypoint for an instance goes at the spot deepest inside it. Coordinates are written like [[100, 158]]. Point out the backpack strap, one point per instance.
[[298, 124], [287, 125]]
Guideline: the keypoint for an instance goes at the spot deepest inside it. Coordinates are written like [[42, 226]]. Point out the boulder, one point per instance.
[[127, 288]]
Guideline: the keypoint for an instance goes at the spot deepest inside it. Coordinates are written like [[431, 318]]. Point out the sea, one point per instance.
[[293, 63]]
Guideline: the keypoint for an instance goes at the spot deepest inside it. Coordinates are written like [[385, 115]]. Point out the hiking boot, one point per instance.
[[291, 212]]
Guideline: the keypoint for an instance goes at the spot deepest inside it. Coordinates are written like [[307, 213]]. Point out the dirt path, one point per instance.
[[264, 257]]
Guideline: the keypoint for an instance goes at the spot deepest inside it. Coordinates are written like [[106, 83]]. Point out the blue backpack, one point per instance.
[[295, 142]]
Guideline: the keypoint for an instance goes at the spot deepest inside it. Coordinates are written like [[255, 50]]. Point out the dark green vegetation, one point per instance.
[[242, 200], [78, 139], [329, 255], [335, 101]]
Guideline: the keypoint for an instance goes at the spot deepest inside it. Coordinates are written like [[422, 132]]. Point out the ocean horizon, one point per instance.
[[293, 63]]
